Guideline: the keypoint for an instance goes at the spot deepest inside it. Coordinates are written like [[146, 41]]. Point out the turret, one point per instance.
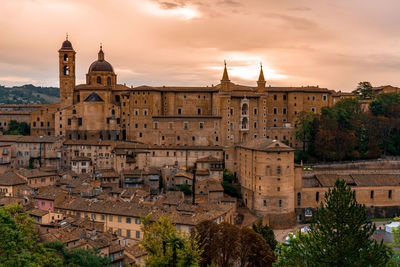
[[225, 82], [261, 81]]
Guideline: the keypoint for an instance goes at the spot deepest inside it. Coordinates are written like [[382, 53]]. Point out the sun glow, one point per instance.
[[247, 67], [187, 12]]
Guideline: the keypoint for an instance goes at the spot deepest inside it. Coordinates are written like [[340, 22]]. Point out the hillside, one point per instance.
[[29, 94]]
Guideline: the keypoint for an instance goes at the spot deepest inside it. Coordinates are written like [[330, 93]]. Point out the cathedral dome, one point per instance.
[[100, 64]]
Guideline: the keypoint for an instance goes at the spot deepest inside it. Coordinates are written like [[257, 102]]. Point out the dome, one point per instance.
[[100, 64], [66, 45]]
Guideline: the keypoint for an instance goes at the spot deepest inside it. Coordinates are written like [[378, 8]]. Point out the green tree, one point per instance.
[[386, 105], [78, 257], [305, 127], [363, 90], [17, 128], [186, 189], [267, 233], [340, 235], [19, 243], [166, 246]]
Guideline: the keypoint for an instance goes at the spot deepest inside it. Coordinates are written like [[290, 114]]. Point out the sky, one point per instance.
[[332, 44]]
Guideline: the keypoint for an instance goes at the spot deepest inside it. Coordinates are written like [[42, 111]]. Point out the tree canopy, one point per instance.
[[340, 235], [363, 90], [17, 128], [166, 246]]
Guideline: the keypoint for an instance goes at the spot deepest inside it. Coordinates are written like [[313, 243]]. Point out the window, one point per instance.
[[284, 97], [109, 82], [102, 217], [324, 97], [98, 80], [317, 196], [128, 233], [255, 125], [372, 194], [390, 194], [278, 189], [275, 97], [199, 111], [280, 203], [119, 232], [119, 218], [128, 220], [255, 111], [137, 234], [299, 199], [65, 58], [110, 218], [185, 125], [201, 125], [66, 70], [137, 221], [278, 170], [93, 216], [179, 111], [284, 110], [275, 110], [265, 203]]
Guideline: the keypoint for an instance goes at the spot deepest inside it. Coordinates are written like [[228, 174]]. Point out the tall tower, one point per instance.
[[225, 82], [66, 56], [261, 81]]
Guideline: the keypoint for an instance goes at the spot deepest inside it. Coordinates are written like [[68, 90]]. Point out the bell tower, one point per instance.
[[66, 56]]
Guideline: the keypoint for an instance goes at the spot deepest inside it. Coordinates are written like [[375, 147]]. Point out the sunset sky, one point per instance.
[[333, 44]]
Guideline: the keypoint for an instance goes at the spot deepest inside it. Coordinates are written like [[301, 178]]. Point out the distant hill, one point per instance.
[[29, 94]]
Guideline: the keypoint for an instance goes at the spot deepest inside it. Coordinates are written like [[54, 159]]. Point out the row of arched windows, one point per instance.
[[99, 80]]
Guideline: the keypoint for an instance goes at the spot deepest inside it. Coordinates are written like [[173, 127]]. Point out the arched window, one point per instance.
[[108, 81], [245, 109], [74, 111], [66, 70], [65, 58], [113, 112], [245, 123], [99, 79], [117, 98]]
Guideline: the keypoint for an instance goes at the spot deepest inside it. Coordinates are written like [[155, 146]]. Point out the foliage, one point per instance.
[[228, 176], [267, 233], [185, 188], [387, 105], [19, 244], [166, 246], [343, 132], [363, 90], [78, 257], [228, 245], [18, 128], [340, 235], [305, 128], [231, 190], [28, 94]]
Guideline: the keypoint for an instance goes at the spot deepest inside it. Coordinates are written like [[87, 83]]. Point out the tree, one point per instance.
[[305, 127], [254, 251], [19, 243], [385, 104], [78, 257], [340, 235], [363, 90], [228, 245], [267, 233], [166, 246], [17, 128]]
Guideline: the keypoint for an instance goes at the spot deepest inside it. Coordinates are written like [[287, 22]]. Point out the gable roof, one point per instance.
[[265, 144], [93, 97]]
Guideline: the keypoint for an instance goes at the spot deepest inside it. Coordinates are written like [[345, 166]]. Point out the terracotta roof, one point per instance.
[[34, 173], [361, 180], [11, 178], [29, 139], [38, 212], [265, 144]]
